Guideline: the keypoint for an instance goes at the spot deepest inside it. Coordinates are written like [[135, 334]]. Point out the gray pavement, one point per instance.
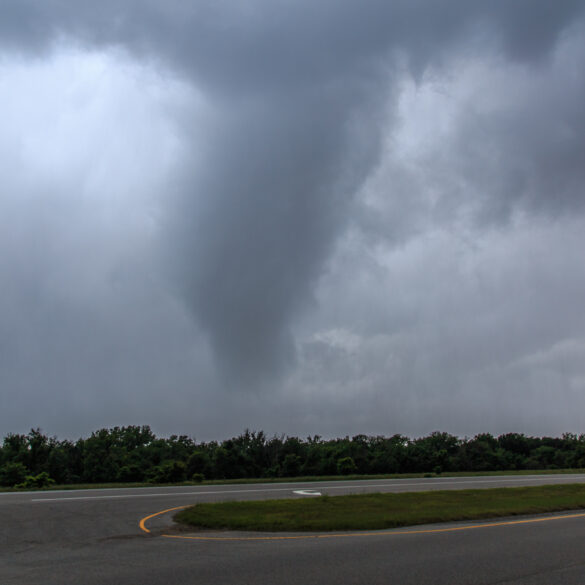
[[93, 537]]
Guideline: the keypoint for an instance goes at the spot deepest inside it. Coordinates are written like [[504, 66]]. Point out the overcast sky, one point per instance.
[[308, 217]]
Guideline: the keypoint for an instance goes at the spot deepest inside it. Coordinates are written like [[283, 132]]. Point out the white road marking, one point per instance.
[[306, 493]]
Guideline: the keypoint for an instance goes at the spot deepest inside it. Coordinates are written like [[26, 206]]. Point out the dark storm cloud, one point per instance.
[[528, 146], [296, 94], [283, 44], [259, 218]]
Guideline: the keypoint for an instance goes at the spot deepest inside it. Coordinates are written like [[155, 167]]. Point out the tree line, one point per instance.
[[136, 454]]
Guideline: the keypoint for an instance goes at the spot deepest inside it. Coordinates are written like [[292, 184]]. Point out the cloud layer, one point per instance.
[[350, 217]]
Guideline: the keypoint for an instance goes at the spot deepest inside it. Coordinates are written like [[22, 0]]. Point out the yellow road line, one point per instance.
[[143, 521], [346, 534]]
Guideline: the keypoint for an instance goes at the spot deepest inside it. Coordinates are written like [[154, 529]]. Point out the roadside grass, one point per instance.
[[301, 479], [382, 511]]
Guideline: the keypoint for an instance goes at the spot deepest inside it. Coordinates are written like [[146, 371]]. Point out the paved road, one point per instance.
[[93, 537]]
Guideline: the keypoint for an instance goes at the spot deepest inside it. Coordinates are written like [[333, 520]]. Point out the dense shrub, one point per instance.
[[346, 466], [168, 472], [12, 473], [41, 480]]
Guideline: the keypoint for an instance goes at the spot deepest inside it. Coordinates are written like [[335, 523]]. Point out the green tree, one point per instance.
[[168, 472], [198, 462], [291, 466], [346, 466], [12, 473]]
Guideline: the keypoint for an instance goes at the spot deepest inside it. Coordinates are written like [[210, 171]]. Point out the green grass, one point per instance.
[[303, 479], [380, 511]]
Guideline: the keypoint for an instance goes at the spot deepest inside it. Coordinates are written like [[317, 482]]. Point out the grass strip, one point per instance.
[[303, 479], [380, 511]]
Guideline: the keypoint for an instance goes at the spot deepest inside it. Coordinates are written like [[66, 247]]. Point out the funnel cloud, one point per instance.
[[308, 218]]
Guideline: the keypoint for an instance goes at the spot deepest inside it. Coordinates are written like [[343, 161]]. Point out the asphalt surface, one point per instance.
[[93, 537]]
